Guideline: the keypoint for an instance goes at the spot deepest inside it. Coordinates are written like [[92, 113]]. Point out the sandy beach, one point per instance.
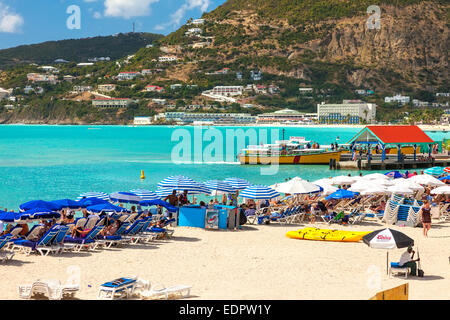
[[258, 262]]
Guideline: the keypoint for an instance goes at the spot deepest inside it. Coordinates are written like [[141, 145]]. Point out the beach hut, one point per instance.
[[392, 136]]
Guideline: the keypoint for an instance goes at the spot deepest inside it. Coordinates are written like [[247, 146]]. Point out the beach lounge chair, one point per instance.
[[91, 222], [117, 289], [77, 244], [115, 239], [42, 246], [130, 235], [160, 291], [394, 267], [162, 231], [58, 242], [53, 289], [5, 255]]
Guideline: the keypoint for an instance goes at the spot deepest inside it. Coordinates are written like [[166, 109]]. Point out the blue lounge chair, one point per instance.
[[58, 242], [78, 243], [5, 255], [130, 235], [116, 238], [117, 289], [162, 231], [42, 246]]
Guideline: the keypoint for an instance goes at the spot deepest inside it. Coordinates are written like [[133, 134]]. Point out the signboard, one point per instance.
[[212, 219]]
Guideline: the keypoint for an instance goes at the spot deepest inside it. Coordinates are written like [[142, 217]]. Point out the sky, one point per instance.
[[35, 21]]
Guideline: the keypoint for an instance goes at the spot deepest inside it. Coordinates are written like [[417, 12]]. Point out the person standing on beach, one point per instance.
[[425, 215], [172, 199]]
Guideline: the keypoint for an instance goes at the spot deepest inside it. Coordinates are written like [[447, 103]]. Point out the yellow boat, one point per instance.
[[294, 151], [327, 235]]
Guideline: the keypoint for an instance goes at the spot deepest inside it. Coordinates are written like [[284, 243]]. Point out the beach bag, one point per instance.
[[420, 272]]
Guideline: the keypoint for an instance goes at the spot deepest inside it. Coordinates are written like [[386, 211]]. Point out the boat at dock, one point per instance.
[[296, 150]]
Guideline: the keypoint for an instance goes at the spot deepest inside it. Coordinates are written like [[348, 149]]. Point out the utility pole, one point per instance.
[[134, 27]]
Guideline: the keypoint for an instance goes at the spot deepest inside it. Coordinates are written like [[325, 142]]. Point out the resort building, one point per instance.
[[69, 78], [167, 59], [106, 87], [282, 116], [305, 90], [3, 93], [151, 88], [139, 121], [49, 69], [256, 75], [37, 77], [81, 89], [217, 118], [127, 75], [349, 112], [228, 90], [176, 86], [443, 94], [398, 98], [111, 102], [198, 21], [161, 102], [85, 64]]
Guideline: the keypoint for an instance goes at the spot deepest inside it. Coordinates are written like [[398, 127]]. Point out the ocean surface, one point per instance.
[[56, 162]]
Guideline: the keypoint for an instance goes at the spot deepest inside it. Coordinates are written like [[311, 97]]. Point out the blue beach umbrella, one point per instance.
[[145, 194], [342, 194], [394, 174], [39, 204], [435, 171], [106, 207], [220, 186], [98, 195], [33, 214], [259, 192], [237, 183], [125, 197], [445, 178], [67, 204], [87, 202]]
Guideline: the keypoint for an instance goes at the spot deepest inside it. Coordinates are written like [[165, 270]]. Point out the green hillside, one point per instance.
[[77, 50]]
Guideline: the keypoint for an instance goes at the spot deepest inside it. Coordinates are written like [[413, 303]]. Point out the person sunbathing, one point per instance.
[[111, 229]]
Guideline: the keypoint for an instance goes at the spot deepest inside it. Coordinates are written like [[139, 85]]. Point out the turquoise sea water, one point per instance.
[[54, 162]]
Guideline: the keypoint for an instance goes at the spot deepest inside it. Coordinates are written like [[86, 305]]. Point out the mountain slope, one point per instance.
[[77, 50], [328, 41]]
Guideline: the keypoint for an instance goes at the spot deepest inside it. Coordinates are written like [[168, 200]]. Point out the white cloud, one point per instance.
[[10, 22], [128, 8], [188, 5]]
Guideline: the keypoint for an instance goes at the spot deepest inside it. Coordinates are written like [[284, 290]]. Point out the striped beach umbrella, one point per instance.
[[106, 208], [447, 169], [259, 192], [163, 192], [237, 183], [219, 186], [125, 197], [181, 183], [435, 171], [145, 194], [98, 195]]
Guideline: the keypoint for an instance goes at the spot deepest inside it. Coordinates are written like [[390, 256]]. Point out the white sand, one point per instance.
[[258, 262]]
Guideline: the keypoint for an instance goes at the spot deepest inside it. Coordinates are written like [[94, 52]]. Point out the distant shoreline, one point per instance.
[[426, 127]]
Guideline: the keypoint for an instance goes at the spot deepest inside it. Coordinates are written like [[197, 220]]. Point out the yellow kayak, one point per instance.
[[327, 235]]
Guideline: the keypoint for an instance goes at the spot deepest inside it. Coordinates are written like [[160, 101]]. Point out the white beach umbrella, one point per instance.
[[323, 182], [358, 187], [375, 190], [343, 180], [328, 189], [297, 186], [409, 184], [375, 176], [400, 189], [382, 182], [426, 179], [441, 190]]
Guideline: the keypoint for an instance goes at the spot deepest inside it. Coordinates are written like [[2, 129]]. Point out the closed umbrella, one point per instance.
[[259, 192], [387, 239]]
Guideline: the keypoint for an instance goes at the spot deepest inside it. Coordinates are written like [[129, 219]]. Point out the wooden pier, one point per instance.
[[392, 163]]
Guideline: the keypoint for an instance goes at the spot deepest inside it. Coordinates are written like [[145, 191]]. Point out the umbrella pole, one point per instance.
[[387, 262]]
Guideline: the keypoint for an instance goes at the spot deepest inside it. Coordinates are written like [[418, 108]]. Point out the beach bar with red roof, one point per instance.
[[392, 136]]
